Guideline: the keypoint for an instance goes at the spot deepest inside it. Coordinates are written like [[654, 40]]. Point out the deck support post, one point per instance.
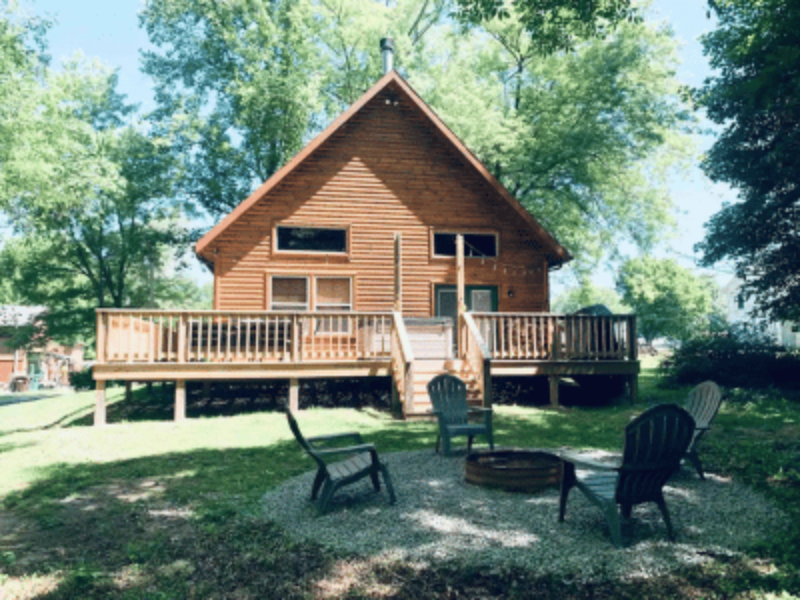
[[149, 389], [460, 292], [294, 395], [128, 391], [396, 405], [180, 400], [100, 404], [633, 388], [206, 391], [553, 391]]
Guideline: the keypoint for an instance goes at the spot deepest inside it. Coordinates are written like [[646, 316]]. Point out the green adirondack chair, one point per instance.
[[703, 404], [449, 398], [332, 476], [655, 443]]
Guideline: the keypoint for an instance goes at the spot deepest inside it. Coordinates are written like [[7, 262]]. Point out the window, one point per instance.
[[289, 293], [333, 294], [476, 245], [311, 239]]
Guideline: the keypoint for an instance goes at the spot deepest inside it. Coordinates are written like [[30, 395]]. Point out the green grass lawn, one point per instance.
[[144, 508]]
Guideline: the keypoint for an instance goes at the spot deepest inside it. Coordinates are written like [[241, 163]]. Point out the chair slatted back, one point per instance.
[[655, 443], [302, 440], [449, 396], [703, 403]]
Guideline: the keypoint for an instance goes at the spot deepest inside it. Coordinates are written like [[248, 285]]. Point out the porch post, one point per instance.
[[100, 404], [460, 290], [294, 395], [553, 391], [180, 400], [398, 272], [633, 388]]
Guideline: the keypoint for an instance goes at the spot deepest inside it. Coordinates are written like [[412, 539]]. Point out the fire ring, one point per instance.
[[515, 470]]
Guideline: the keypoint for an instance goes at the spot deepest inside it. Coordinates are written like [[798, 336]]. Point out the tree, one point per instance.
[[588, 294], [669, 300], [755, 96], [88, 195], [554, 24], [237, 88]]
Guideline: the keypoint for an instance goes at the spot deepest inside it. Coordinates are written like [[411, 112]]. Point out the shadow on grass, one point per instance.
[[62, 420], [190, 524], [176, 523], [9, 447]]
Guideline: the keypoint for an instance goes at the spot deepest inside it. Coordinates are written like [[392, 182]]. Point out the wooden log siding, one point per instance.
[[385, 172], [241, 336], [549, 337]]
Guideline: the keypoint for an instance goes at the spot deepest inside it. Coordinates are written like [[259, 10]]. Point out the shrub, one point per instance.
[[82, 380], [734, 356]]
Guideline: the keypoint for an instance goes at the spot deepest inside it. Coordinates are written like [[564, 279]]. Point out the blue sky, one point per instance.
[[109, 31]]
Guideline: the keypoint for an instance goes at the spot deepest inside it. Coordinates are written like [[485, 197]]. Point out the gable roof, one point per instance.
[[556, 254]]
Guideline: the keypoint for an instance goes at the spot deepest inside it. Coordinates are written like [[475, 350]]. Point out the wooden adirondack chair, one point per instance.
[[655, 443], [449, 398], [703, 404], [332, 476]]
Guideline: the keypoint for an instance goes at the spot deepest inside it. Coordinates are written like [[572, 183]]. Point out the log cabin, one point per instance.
[[385, 247]]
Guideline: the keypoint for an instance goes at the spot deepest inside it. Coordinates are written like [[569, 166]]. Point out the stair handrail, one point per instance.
[[403, 361], [477, 355]]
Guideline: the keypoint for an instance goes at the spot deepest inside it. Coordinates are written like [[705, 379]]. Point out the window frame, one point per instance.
[[434, 232], [277, 250], [319, 329], [308, 302]]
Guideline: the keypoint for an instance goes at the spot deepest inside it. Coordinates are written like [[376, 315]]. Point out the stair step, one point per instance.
[[437, 366]]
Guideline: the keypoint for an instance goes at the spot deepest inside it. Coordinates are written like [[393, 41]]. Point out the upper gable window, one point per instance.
[[311, 239], [476, 245]]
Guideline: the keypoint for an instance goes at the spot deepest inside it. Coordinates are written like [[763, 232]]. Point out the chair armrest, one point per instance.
[[702, 428], [349, 450], [577, 459], [336, 436], [479, 409]]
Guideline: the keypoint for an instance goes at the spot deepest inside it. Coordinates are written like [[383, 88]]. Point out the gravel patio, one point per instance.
[[440, 518]]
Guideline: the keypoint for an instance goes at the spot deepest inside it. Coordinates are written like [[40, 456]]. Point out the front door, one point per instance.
[[479, 298]]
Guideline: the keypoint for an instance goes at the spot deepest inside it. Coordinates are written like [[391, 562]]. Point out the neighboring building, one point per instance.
[[739, 311], [48, 364]]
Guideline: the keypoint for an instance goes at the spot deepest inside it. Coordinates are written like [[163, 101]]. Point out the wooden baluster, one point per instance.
[[247, 320], [296, 338], [181, 338], [501, 323]]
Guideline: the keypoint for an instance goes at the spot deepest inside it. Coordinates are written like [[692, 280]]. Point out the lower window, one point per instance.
[[333, 294], [289, 293]]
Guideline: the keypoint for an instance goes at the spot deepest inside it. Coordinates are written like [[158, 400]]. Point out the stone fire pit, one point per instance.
[[514, 470]]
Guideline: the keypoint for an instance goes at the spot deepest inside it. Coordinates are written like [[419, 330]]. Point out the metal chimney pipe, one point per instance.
[[387, 51]]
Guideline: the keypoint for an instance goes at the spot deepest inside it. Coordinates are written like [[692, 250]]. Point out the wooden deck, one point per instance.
[[180, 346]]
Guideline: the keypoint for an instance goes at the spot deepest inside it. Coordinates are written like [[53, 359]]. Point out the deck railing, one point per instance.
[[476, 354], [402, 363], [148, 336], [550, 337]]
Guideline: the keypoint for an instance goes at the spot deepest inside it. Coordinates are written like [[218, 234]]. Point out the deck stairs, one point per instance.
[[434, 354]]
